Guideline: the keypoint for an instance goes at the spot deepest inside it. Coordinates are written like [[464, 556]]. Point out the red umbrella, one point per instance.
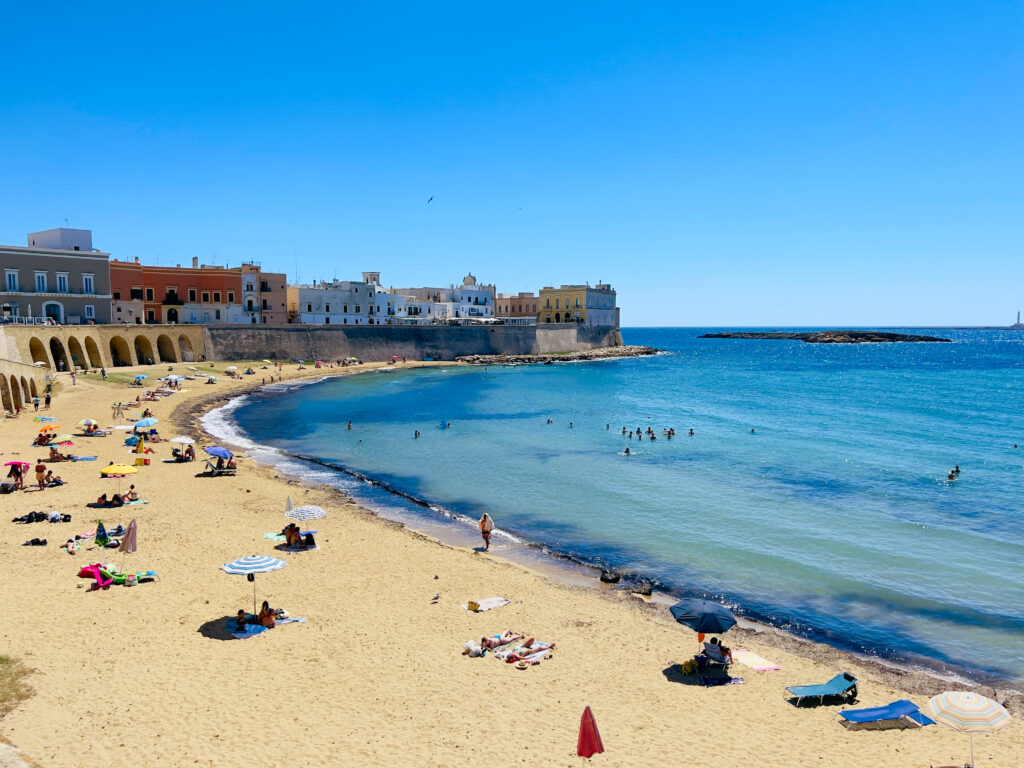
[[589, 741]]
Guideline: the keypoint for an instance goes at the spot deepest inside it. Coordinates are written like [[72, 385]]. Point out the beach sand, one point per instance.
[[130, 676]]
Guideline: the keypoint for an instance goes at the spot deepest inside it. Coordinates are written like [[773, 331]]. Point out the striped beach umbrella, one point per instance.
[[250, 566], [306, 512], [967, 711]]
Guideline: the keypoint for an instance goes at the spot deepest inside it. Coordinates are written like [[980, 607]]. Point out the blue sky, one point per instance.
[[822, 163]]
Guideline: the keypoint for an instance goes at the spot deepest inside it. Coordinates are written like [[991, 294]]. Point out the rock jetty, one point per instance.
[[830, 337], [602, 353]]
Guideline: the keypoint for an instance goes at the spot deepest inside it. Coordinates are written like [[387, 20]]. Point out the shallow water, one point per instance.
[[833, 518]]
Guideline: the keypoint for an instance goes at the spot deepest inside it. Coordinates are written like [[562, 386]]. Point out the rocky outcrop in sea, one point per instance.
[[602, 353], [829, 337]]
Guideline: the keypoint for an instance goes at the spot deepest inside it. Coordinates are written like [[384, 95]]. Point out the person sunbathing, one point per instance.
[[132, 494], [114, 501], [240, 621], [266, 617], [56, 455], [232, 464], [292, 536], [507, 636], [43, 439]]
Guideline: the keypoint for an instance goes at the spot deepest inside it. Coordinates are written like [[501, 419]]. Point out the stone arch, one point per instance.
[[93, 351], [38, 351], [185, 347], [165, 348], [77, 353], [5, 395], [120, 355], [144, 351], [60, 357], [26, 393], [16, 393], [32, 388], [558, 317]]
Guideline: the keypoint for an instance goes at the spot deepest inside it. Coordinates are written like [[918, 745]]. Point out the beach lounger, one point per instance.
[[898, 714], [214, 472], [841, 686]]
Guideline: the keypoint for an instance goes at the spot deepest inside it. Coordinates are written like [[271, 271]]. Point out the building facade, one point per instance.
[[340, 302], [264, 295], [200, 294], [585, 304], [59, 277], [520, 305]]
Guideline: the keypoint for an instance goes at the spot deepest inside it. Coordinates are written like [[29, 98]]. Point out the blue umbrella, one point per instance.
[[220, 453], [306, 512], [703, 616], [149, 421], [141, 377], [249, 566]]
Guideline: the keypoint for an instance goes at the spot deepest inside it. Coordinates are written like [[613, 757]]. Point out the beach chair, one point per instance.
[[713, 655], [842, 686], [214, 472], [898, 714]]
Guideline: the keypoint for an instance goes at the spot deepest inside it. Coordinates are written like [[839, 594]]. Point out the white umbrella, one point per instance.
[[231, 368], [249, 566], [967, 711], [182, 439]]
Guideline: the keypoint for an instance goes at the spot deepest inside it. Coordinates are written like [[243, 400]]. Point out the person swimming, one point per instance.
[[626, 452]]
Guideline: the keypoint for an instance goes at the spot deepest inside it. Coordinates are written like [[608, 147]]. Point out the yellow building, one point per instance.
[[585, 304]]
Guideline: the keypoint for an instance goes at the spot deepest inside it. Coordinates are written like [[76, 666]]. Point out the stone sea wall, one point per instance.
[[415, 342]]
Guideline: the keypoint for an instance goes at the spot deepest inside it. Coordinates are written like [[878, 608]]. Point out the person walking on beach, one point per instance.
[[35, 402], [103, 373], [486, 526], [46, 402]]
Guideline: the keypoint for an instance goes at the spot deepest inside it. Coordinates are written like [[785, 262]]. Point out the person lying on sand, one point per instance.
[[507, 636], [266, 617], [240, 621], [56, 455]]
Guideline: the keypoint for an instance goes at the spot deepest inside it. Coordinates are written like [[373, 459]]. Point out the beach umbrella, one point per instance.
[[48, 427], [306, 512], [231, 368], [967, 711], [589, 741], [87, 423], [129, 542], [119, 469], [703, 616], [149, 421], [192, 368], [101, 537], [141, 377], [26, 464], [267, 361], [41, 364], [250, 566], [182, 439], [220, 453], [288, 503]]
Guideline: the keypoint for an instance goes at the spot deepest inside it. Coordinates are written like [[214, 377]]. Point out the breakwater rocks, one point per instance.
[[558, 357], [830, 337]]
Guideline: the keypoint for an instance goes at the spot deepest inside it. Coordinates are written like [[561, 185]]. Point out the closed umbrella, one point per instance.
[[589, 741], [250, 566], [220, 453], [967, 711], [101, 537], [306, 512], [703, 616], [129, 542]]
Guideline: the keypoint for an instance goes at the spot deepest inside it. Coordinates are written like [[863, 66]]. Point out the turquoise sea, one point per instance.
[[833, 518]]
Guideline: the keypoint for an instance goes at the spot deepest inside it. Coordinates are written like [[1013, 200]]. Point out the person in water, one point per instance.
[[951, 475], [486, 526], [626, 452], [416, 434], [691, 431], [956, 469]]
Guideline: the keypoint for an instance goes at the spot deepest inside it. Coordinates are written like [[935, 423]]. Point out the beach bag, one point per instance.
[[473, 605], [6, 487], [131, 580], [310, 541]]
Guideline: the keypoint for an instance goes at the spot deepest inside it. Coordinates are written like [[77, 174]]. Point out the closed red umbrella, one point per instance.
[[589, 742]]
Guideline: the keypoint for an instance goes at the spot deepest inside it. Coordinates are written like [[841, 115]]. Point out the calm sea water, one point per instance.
[[833, 518]]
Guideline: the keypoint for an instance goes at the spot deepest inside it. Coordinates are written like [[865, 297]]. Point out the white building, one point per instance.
[[340, 302]]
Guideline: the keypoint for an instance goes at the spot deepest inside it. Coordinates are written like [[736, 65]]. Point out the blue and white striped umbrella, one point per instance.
[[306, 512], [253, 564]]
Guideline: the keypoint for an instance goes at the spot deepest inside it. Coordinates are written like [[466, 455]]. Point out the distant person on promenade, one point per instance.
[[486, 526]]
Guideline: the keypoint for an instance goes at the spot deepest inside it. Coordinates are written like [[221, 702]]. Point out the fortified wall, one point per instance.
[[416, 342]]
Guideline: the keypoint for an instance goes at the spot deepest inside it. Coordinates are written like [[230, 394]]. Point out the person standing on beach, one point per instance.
[[46, 402], [486, 526]]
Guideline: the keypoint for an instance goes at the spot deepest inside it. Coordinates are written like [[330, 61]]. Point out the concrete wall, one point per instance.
[[306, 342], [95, 346]]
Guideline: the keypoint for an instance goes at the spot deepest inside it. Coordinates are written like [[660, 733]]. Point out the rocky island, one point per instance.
[[602, 353], [829, 337]]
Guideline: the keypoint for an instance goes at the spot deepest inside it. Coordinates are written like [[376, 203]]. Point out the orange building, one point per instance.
[[146, 294]]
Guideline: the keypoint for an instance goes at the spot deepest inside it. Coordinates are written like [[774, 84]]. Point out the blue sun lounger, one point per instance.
[[898, 714], [843, 685]]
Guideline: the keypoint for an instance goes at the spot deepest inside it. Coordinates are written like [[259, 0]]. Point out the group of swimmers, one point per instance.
[[953, 473]]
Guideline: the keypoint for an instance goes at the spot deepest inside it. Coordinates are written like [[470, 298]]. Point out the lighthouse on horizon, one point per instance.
[[1018, 325]]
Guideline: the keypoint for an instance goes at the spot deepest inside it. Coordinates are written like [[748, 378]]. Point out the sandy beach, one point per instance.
[[375, 676]]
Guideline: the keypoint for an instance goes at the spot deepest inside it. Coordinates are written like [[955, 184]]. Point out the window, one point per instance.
[[90, 311], [62, 282], [327, 321], [309, 307], [266, 305], [346, 309], [87, 284], [192, 295], [231, 297], [11, 279], [117, 297], [558, 303], [216, 297], [40, 282], [216, 314], [150, 316], [206, 297], [248, 287], [149, 294], [136, 294], [357, 312]]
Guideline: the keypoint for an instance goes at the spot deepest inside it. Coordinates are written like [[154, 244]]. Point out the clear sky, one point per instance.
[[720, 163]]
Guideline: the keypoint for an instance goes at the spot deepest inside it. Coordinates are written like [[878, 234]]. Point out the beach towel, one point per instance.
[[84, 458], [281, 548], [752, 660], [537, 649], [712, 682], [488, 603], [291, 620], [251, 630], [274, 536], [137, 501]]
